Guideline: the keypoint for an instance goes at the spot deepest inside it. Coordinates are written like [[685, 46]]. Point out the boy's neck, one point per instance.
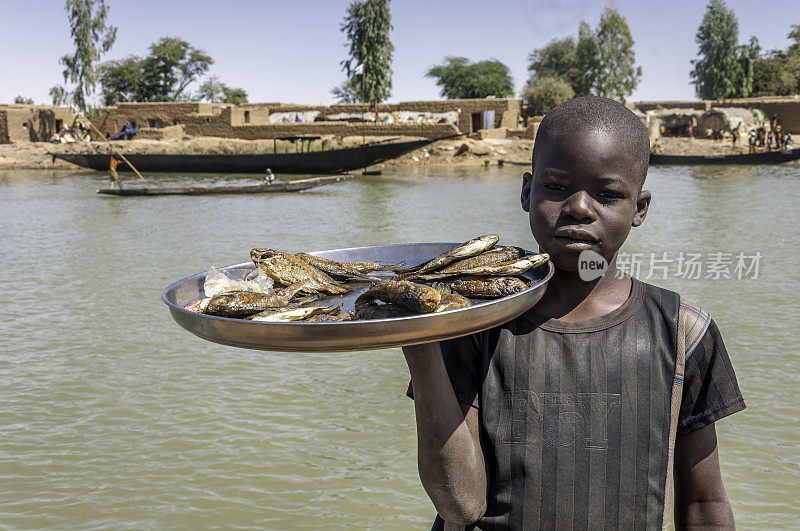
[[571, 298]]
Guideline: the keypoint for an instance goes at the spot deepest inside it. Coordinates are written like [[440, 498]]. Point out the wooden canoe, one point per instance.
[[767, 157], [330, 161], [261, 188]]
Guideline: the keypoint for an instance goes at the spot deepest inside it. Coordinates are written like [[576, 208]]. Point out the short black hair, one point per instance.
[[595, 112]]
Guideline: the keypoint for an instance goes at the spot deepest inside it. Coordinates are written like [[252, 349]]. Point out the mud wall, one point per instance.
[[254, 132], [787, 108], [251, 121], [31, 123]]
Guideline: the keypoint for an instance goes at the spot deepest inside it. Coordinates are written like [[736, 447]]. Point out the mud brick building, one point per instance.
[[31, 123], [429, 119], [786, 108]]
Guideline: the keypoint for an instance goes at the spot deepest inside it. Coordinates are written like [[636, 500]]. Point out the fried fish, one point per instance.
[[242, 303], [508, 268], [468, 249], [416, 297], [288, 269], [488, 287]]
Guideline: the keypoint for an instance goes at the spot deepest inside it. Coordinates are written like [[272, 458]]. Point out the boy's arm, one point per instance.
[[449, 454], [700, 499]]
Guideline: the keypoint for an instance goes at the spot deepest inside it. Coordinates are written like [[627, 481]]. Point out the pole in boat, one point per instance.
[[364, 123], [129, 163]]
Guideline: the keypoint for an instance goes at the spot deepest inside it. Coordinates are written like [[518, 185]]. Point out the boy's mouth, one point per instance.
[[575, 238]]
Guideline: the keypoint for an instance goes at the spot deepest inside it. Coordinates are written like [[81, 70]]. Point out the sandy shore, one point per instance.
[[459, 152]]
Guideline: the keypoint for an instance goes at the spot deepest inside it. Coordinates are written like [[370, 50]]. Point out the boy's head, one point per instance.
[[585, 192]]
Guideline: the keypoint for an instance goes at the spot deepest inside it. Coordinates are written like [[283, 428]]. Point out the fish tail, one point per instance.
[[390, 267]]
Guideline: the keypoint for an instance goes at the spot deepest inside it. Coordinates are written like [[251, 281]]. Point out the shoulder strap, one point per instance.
[[693, 322]]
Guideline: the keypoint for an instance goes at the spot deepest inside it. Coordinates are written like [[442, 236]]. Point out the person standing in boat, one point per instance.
[[112, 172]]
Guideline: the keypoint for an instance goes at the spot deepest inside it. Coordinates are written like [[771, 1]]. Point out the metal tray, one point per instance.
[[352, 335]]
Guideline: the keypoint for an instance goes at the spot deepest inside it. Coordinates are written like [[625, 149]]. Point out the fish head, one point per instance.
[[258, 255]]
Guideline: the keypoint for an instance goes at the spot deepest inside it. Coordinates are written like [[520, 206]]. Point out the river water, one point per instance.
[[112, 416]]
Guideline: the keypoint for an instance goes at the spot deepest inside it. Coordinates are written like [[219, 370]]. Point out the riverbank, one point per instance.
[[453, 152], [458, 152]]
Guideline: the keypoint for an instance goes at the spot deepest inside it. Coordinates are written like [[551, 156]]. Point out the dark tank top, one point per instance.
[[575, 416]]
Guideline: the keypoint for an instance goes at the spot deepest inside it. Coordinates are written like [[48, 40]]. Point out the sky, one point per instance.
[[290, 50]]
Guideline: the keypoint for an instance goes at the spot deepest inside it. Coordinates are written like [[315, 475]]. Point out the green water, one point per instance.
[[112, 416]]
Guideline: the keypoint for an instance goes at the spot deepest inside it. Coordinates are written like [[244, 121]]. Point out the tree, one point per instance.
[[542, 93], [163, 75], [234, 96], [746, 55], [605, 58], [92, 37], [171, 66], [121, 80], [59, 95], [717, 73], [459, 78], [777, 73], [215, 91], [556, 60], [587, 59], [617, 75], [212, 89], [347, 92], [367, 26], [23, 100]]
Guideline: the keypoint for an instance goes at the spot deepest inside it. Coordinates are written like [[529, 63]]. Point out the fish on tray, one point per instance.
[[242, 303], [287, 269], [294, 314], [338, 270], [415, 297], [492, 256], [487, 287], [468, 249], [507, 268], [474, 269]]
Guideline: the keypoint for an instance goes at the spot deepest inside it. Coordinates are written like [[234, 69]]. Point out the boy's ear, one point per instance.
[[525, 198], [642, 205]]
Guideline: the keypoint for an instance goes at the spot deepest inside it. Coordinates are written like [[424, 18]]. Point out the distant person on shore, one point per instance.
[[112, 172], [735, 134], [269, 177], [752, 141], [656, 147]]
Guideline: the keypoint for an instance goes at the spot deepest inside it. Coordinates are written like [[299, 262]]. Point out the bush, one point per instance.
[[544, 93]]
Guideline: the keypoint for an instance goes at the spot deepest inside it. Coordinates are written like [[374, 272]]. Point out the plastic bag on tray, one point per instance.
[[218, 281]]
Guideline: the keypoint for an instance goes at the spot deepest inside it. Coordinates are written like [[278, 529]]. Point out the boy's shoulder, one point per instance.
[[691, 319]]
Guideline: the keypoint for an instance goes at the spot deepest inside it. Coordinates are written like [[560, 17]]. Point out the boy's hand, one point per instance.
[[449, 454], [700, 499]]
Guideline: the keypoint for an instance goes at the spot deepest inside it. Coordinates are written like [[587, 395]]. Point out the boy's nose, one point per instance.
[[579, 207]]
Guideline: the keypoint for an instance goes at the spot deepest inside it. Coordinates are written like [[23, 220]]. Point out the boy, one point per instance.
[[567, 416]]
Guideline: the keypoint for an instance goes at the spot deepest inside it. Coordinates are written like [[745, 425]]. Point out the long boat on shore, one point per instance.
[[260, 188], [329, 161], [767, 157]]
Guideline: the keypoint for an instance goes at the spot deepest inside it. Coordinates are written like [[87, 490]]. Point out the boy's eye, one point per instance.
[[555, 187], [610, 194]]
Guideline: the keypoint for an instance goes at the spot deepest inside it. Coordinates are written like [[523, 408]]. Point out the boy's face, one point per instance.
[[584, 194]]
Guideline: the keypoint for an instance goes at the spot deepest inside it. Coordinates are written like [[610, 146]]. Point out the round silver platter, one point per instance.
[[352, 335]]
